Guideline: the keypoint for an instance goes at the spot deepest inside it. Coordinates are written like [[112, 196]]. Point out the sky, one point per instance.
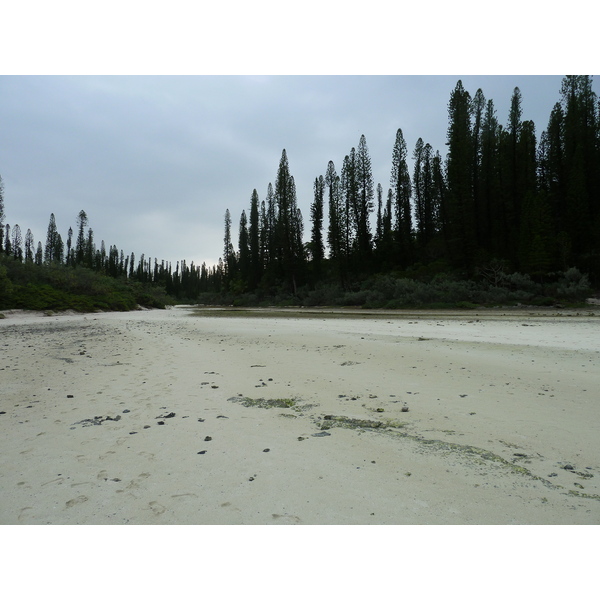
[[156, 160], [156, 122]]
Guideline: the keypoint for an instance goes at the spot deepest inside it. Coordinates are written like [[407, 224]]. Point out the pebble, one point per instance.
[[207, 438], [321, 434], [267, 450]]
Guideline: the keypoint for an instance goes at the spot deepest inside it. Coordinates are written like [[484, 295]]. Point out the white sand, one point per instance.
[[499, 403]]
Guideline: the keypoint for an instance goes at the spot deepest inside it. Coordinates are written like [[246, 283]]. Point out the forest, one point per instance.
[[500, 219]]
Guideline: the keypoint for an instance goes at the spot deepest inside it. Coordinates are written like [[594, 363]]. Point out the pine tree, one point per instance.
[[254, 242], [29, 247], [244, 261], [316, 213], [459, 175], [2, 215], [365, 195], [289, 249], [229, 266], [17, 243], [82, 221], [39, 255], [424, 194], [7, 243], [51, 239], [400, 185]]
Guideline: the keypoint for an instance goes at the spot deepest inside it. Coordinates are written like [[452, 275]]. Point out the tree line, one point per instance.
[[498, 203]]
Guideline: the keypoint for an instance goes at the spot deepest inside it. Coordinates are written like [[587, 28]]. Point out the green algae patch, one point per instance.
[[264, 403], [330, 421]]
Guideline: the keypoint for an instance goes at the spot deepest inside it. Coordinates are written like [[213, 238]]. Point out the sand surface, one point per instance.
[[145, 417]]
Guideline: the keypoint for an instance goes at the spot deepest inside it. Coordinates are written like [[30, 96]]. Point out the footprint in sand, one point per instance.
[[77, 500], [286, 519], [157, 508]]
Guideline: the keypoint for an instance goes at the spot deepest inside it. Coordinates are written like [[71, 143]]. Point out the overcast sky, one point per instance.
[[155, 160]]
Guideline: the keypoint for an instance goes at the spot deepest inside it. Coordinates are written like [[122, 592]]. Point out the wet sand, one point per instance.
[[279, 417]]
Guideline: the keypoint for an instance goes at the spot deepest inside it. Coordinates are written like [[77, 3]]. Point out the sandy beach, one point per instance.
[[202, 417]]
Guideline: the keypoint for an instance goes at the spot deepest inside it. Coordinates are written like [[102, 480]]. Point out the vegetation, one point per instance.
[[500, 220]]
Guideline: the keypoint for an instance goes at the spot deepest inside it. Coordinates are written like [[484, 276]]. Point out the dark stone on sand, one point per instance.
[[569, 468], [202, 452], [321, 434], [251, 479], [520, 455], [553, 475], [126, 410], [70, 396], [207, 438], [2, 412], [132, 432], [404, 409], [169, 416], [200, 420], [267, 450], [146, 426], [161, 423], [222, 417]]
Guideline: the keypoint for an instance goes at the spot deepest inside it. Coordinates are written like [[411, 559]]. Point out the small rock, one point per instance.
[[569, 468], [207, 438], [267, 450], [321, 434], [161, 423], [70, 396], [202, 452], [132, 432], [379, 410], [146, 426], [553, 475], [200, 420], [404, 409]]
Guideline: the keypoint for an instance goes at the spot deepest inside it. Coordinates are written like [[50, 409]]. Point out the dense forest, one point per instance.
[[501, 218]]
